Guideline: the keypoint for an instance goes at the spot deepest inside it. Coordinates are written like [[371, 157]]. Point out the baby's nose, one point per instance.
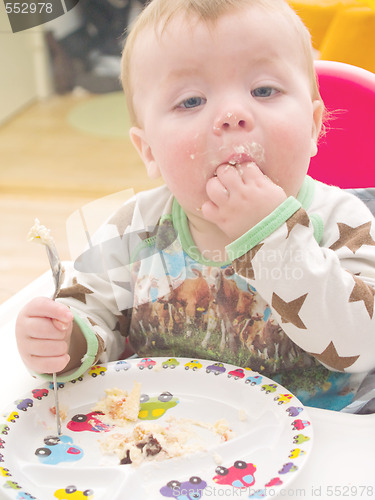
[[233, 120]]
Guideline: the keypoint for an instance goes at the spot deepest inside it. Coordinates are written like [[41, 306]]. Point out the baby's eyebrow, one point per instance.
[[183, 72]]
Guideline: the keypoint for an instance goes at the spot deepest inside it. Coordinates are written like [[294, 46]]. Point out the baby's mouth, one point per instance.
[[240, 165], [244, 155]]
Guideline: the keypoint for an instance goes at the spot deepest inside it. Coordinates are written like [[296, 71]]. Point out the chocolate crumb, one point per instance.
[[153, 447], [126, 460], [150, 446]]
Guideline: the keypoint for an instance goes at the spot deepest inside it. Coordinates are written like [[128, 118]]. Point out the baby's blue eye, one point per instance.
[[263, 92], [192, 102]]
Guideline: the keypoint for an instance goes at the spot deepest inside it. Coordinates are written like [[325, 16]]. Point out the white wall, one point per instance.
[[24, 73]]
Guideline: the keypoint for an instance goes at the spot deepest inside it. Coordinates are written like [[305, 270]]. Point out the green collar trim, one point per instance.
[[306, 193], [305, 197], [181, 224]]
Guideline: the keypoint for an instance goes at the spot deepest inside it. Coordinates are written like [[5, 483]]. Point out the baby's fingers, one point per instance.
[[211, 212], [45, 329], [47, 308], [216, 191], [46, 348], [46, 364]]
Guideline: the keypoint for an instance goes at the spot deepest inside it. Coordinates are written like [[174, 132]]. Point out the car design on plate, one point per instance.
[[240, 475], [12, 485], [289, 467], [275, 481], [152, 408], [187, 490], [296, 453], [294, 411], [170, 363], [60, 385], [300, 438], [216, 368], [237, 373], [122, 365], [254, 380], [97, 370], [283, 398], [4, 429], [58, 449], [87, 422], [71, 493], [13, 417], [299, 425], [4, 472], [146, 363], [40, 393], [269, 388], [21, 495], [194, 365], [258, 494], [24, 404]]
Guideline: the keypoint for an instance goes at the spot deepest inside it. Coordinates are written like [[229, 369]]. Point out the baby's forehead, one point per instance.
[[188, 25], [187, 22]]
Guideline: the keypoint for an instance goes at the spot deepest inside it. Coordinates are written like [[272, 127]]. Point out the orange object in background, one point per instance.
[[351, 38], [318, 15], [341, 30], [369, 3]]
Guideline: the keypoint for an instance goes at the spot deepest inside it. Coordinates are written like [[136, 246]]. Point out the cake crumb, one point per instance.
[[242, 415], [119, 406]]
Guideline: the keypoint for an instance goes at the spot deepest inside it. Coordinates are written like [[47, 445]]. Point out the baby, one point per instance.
[[241, 257]]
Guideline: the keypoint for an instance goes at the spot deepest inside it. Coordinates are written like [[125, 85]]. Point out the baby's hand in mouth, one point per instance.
[[240, 196]]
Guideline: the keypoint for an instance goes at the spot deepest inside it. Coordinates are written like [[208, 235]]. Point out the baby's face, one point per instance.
[[234, 92]]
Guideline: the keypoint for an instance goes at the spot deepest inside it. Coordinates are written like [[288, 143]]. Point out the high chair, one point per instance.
[[346, 156]]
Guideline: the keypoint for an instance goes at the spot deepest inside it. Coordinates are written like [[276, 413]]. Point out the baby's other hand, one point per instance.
[[240, 196], [43, 331]]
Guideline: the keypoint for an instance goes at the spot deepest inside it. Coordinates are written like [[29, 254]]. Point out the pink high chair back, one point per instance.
[[346, 154]]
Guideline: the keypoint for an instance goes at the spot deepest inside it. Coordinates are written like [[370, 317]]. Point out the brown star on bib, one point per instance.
[[299, 217], [289, 311], [123, 217], [76, 291], [331, 358], [123, 322], [244, 266], [353, 237], [361, 291]]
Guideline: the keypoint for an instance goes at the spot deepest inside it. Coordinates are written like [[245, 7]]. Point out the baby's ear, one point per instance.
[[138, 138]]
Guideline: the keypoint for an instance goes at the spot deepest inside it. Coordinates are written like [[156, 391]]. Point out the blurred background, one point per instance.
[[63, 119]]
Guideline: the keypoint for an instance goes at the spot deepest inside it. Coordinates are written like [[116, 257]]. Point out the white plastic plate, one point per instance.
[[273, 436]]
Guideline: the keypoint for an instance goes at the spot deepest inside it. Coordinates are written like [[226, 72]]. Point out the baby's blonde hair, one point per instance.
[[158, 13]]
